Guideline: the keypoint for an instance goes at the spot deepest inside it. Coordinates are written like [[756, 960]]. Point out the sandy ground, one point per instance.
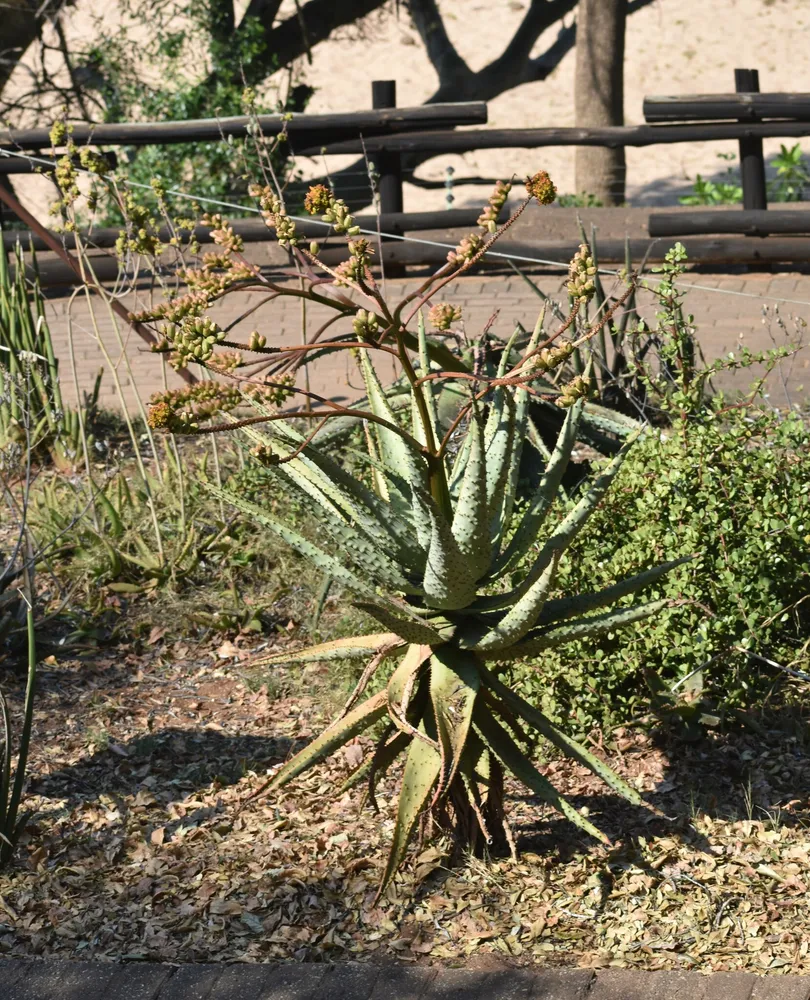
[[673, 47]]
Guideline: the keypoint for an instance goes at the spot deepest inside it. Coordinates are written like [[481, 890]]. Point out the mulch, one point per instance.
[[144, 843]]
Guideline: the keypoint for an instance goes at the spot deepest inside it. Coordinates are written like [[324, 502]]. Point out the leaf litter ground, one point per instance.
[[145, 842]]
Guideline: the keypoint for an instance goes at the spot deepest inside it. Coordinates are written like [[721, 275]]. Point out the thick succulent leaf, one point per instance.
[[504, 517], [403, 677], [449, 581], [459, 466], [317, 556], [336, 735], [583, 628], [361, 552], [353, 647], [499, 435], [455, 680], [331, 486], [394, 450], [583, 604], [545, 494], [418, 778], [410, 630], [383, 757], [427, 389], [555, 736], [520, 618], [565, 532], [515, 760], [471, 517]]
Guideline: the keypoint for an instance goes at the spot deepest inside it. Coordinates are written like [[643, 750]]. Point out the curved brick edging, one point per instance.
[[53, 979]]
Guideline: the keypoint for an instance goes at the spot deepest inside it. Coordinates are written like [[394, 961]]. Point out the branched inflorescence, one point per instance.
[[582, 274], [443, 316]]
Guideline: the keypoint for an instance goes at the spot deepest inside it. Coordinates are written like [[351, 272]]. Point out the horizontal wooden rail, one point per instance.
[[254, 230], [313, 126], [537, 138], [20, 165], [713, 107], [754, 223], [612, 251], [707, 251]]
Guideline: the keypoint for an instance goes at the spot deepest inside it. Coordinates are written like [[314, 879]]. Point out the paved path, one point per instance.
[[724, 322], [61, 980]]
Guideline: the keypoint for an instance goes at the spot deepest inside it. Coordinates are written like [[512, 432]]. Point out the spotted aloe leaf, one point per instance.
[[334, 488], [455, 680], [503, 515], [471, 518], [411, 630], [521, 617], [546, 492], [421, 773], [335, 736], [449, 580], [379, 762], [534, 717], [515, 760], [583, 604], [323, 560], [353, 647], [427, 391], [395, 451], [584, 628], [565, 532]]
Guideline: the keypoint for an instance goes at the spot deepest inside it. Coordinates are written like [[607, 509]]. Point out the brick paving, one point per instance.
[[50, 979], [724, 322]]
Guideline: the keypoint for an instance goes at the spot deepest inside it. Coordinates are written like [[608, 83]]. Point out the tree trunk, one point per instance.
[[599, 95], [20, 27]]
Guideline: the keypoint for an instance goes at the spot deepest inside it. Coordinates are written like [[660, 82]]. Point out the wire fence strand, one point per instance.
[[201, 200]]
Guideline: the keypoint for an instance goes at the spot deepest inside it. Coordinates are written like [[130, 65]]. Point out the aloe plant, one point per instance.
[[30, 391], [432, 542]]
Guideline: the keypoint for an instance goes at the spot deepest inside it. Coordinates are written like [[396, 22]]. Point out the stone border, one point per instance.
[[54, 979]]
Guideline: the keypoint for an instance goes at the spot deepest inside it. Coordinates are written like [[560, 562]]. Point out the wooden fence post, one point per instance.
[[752, 162], [389, 165]]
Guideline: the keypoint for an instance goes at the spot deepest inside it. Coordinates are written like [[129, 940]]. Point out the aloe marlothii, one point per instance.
[[460, 578]]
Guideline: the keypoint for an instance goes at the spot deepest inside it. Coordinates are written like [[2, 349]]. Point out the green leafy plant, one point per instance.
[[725, 192], [430, 541], [733, 486], [792, 175], [584, 200]]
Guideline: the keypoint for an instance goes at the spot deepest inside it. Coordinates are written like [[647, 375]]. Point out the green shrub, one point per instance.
[[733, 488]]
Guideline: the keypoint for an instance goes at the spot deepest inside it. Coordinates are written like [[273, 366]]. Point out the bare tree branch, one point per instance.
[[297, 34], [449, 66], [263, 11], [540, 67]]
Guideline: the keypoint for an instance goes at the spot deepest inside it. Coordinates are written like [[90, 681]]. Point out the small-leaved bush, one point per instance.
[[732, 488]]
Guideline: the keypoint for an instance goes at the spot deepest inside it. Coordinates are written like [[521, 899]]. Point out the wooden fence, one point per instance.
[[390, 133]]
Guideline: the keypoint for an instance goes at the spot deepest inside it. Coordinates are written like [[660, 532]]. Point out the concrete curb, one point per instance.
[[54, 979]]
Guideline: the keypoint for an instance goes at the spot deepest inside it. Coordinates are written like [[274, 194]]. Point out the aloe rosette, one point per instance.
[[432, 552], [431, 539]]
